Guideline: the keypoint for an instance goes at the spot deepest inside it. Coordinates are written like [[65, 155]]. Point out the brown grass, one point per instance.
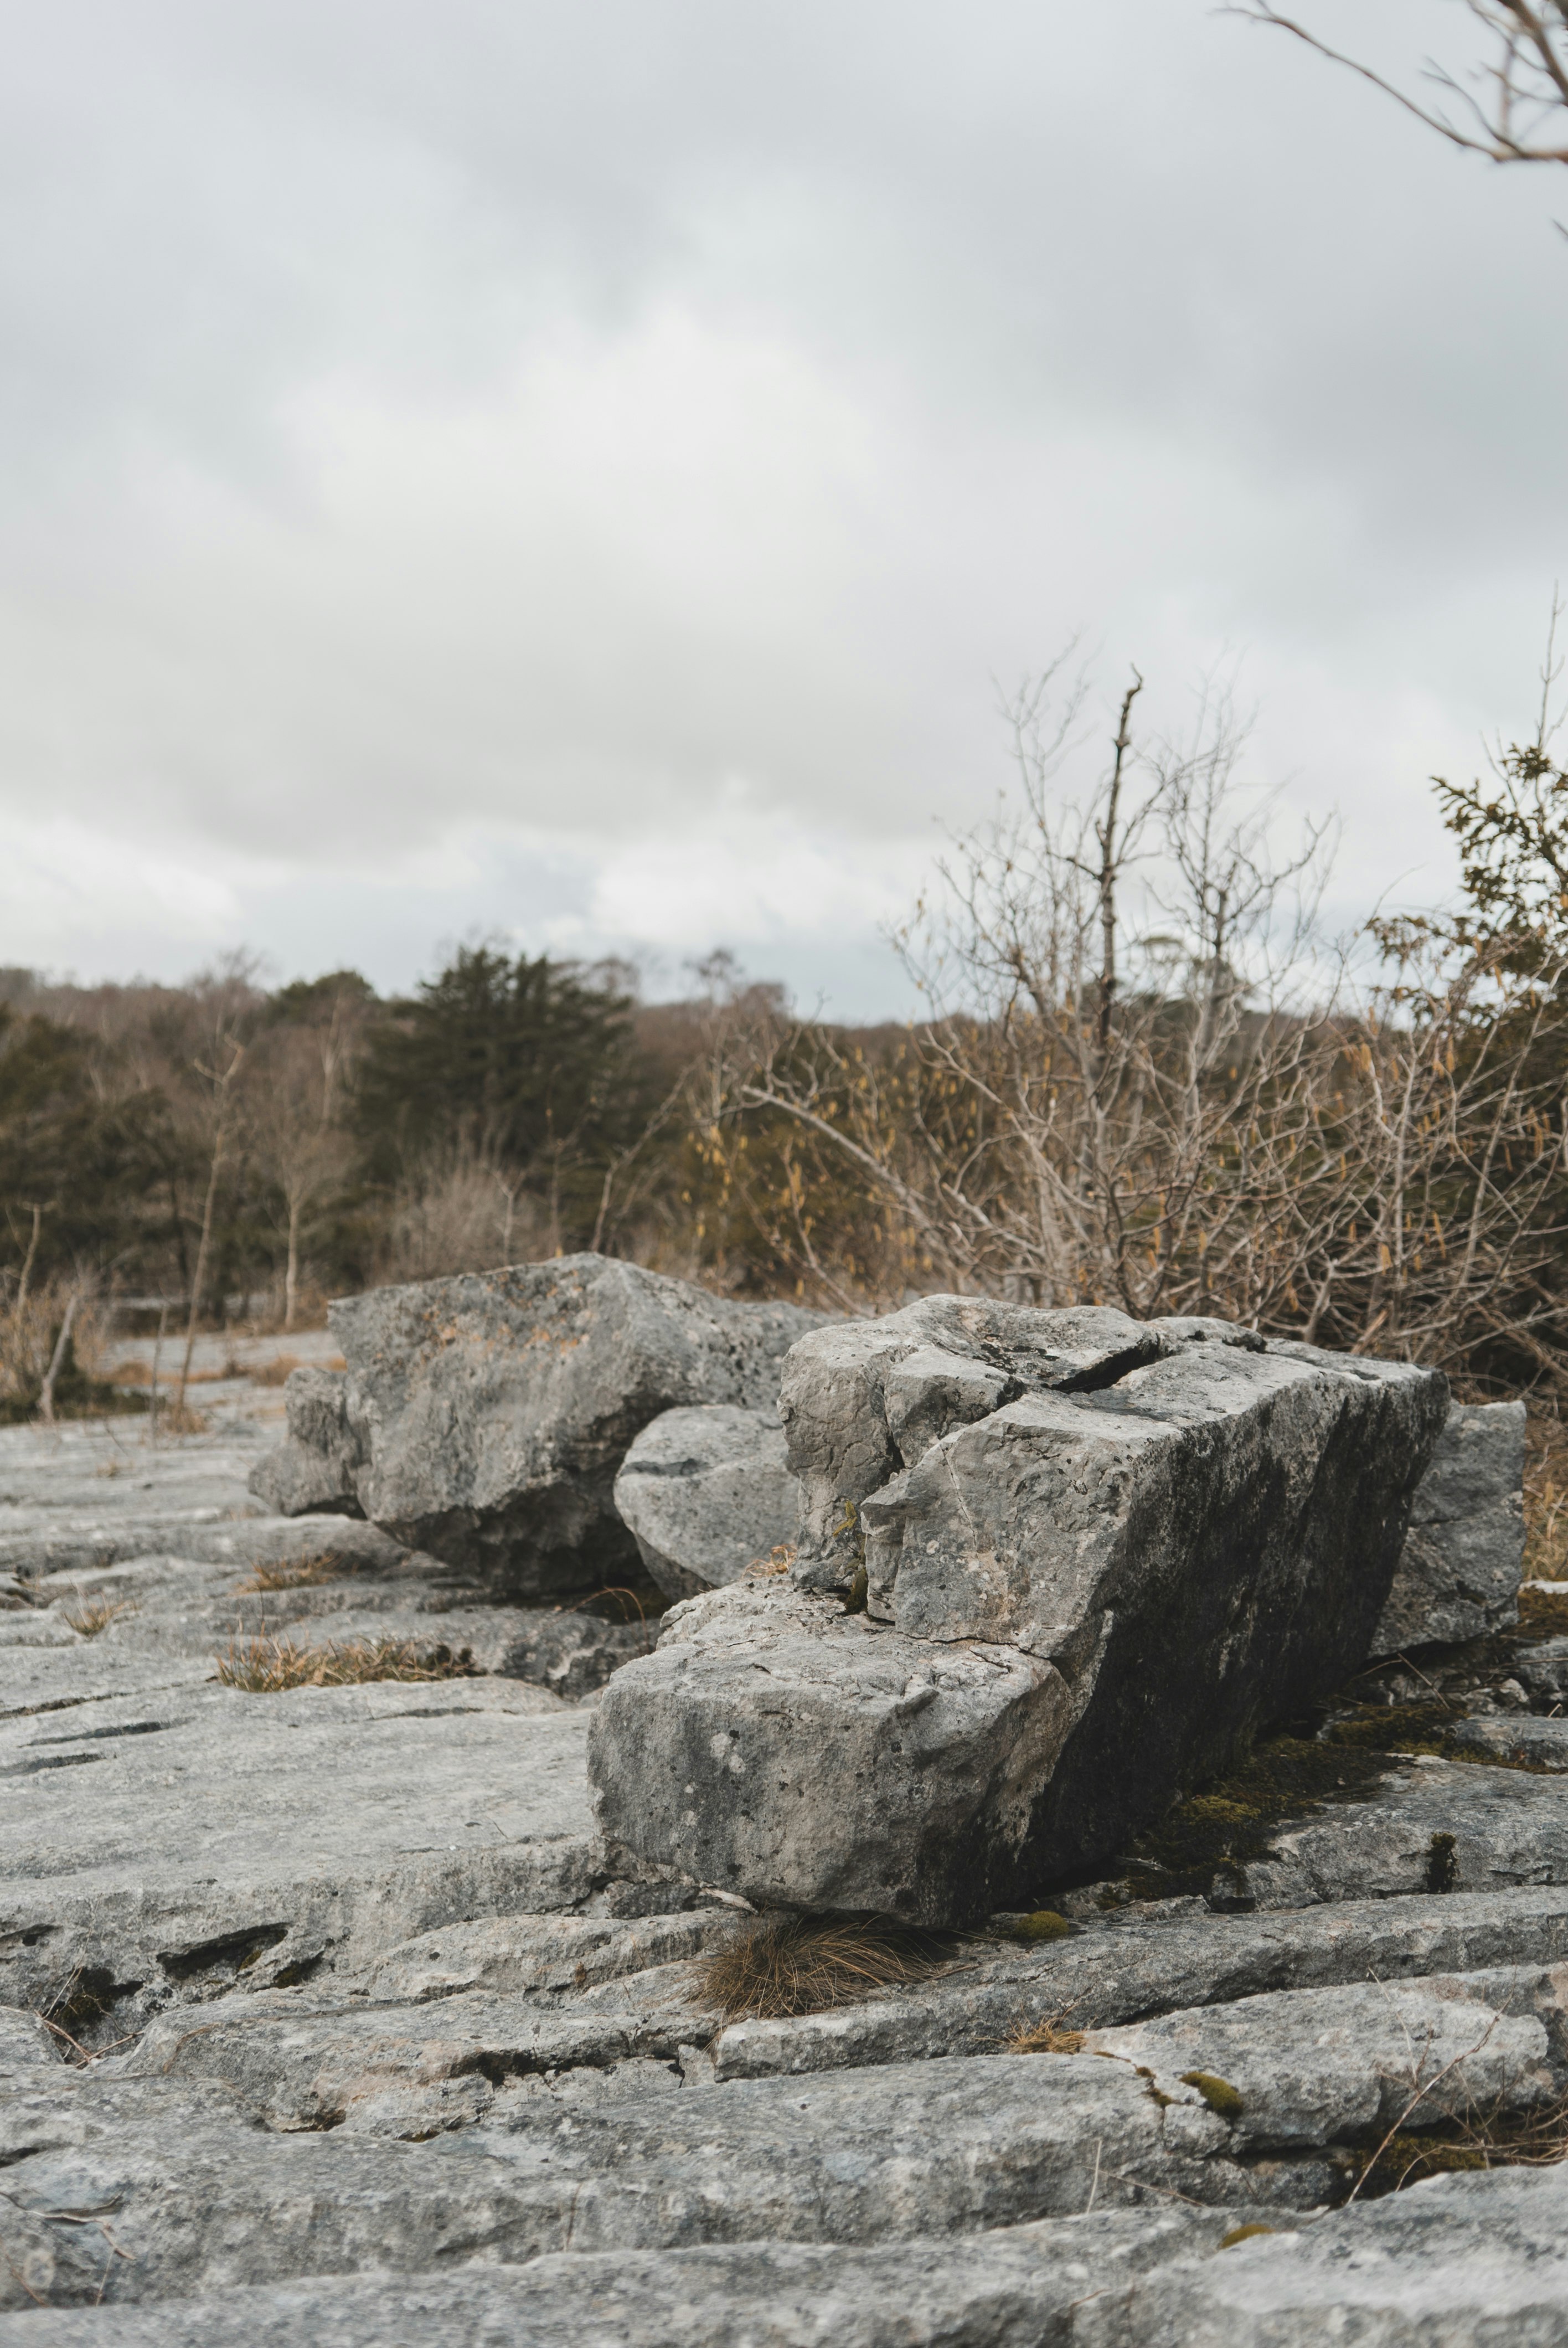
[[1046, 2037], [1546, 1498], [273, 1373], [139, 1372], [1543, 1610], [784, 1965], [95, 1614], [266, 1666], [300, 1573], [1476, 2140]]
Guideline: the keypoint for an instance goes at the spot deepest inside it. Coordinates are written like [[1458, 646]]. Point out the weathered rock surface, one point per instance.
[[1014, 2287], [483, 1418], [1458, 1571], [315, 1466], [1324, 2067], [225, 1832], [707, 1492], [458, 2074], [1177, 1956], [857, 2157], [776, 1747], [1110, 1553], [1462, 2262]]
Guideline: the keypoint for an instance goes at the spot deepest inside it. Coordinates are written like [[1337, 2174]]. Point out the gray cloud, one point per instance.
[[579, 471]]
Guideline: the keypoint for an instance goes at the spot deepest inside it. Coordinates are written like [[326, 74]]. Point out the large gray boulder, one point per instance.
[[1093, 1558], [1460, 1568], [483, 1418], [313, 1471], [708, 1492]]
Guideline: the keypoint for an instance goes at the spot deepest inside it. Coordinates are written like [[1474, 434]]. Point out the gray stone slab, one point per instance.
[[1437, 1824], [707, 1492], [862, 2158], [408, 2071], [89, 1481], [271, 1832], [557, 1956], [1126, 1971], [1015, 2288], [1322, 2066], [1457, 1575], [1522, 1739], [1461, 2262]]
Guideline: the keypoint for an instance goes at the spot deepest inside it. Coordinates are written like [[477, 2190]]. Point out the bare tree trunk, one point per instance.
[[219, 1136], [291, 1271], [47, 1391], [157, 1365], [1110, 861], [38, 1214]]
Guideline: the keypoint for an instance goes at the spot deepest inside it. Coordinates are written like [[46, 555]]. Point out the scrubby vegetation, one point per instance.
[[776, 1966], [267, 1666], [1142, 1076]]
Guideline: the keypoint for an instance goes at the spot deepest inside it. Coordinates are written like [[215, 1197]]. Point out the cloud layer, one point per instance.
[[585, 473]]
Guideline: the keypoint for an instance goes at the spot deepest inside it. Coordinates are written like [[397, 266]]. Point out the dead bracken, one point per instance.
[[784, 1965], [266, 1666], [298, 1574]]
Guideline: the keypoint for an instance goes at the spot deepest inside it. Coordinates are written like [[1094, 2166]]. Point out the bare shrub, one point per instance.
[[178, 1417], [60, 1324], [1520, 114], [783, 1965], [460, 1213], [1546, 1498], [1144, 1079]]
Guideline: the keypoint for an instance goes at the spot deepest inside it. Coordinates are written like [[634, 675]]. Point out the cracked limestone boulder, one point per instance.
[[483, 1418], [708, 1492], [1460, 1568], [1053, 1567], [312, 1471]]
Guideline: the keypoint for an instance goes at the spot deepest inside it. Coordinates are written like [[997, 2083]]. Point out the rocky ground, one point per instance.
[[328, 2019]]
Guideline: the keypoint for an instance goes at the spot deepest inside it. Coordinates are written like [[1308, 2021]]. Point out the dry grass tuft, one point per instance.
[[266, 1666], [95, 1614], [1046, 2037], [273, 1373], [299, 1573], [1546, 1498], [1475, 2139], [1543, 1610], [784, 1965]]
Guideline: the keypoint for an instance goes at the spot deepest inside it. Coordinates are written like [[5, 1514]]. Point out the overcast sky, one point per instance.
[[582, 473]]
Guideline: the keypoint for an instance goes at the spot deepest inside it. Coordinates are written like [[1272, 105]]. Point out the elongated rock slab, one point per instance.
[[1008, 2289], [1458, 1571], [707, 1493], [1110, 1551], [161, 1846], [483, 1418]]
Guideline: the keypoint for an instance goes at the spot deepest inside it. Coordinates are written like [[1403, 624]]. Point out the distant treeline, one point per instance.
[[1142, 1077], [326, 1139]]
